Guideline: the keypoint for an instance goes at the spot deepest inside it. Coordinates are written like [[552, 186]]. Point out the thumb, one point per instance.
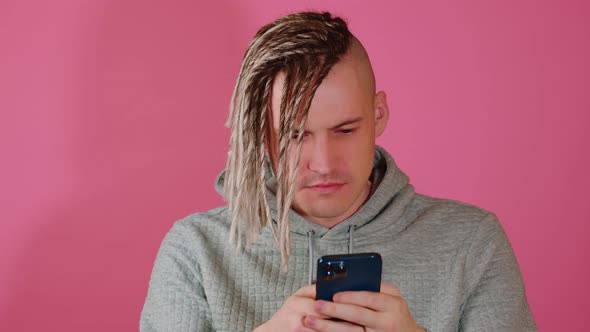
[[306, 291]]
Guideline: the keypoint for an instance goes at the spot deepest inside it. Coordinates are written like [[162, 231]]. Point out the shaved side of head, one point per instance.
[[358, 54]]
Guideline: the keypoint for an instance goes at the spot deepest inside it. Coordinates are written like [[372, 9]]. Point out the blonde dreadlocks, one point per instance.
[[304, 46]]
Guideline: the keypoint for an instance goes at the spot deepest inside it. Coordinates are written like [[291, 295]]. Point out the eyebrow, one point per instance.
[[348, 122], [343, 123]]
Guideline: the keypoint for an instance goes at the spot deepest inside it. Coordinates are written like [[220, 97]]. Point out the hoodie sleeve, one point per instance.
[[495, 294], [176, 300]]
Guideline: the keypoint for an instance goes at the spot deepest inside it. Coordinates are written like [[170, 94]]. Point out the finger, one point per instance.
[[306, 291], [375, 301], [348, 312], [390, 289], [303, 305], [326, 325]]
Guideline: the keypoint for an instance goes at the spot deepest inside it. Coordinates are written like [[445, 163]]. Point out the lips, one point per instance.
[[326, 187]]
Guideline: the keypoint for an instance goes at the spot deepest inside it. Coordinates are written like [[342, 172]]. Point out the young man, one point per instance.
[[304, 178]]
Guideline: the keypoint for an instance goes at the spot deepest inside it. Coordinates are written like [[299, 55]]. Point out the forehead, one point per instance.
[[342, 95]]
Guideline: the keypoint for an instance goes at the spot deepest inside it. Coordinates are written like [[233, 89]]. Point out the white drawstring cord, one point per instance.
[[310, 234]]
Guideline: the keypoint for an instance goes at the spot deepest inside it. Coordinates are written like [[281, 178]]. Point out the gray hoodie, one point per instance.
[[451, 261]]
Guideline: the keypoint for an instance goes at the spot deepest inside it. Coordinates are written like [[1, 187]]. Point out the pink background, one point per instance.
[[111, 128]]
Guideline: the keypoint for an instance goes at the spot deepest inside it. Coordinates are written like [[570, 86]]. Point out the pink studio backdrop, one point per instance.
[[111, 128]]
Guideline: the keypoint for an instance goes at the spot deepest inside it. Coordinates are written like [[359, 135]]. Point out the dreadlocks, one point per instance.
[[304, 46]]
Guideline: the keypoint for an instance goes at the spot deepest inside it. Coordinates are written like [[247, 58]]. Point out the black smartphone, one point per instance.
[[351, 272]]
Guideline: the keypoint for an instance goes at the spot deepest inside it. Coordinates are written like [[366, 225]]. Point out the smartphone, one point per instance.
[[351, 272]]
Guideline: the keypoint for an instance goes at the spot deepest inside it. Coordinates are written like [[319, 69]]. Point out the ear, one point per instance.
[[381, 113]]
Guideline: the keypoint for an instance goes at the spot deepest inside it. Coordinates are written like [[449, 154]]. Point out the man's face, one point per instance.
[[338, 143]]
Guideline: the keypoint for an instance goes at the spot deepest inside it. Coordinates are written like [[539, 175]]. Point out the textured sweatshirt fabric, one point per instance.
[[451, 261]]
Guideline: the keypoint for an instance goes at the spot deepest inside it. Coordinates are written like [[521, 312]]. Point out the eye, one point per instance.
[[346, 131], [296, 134]]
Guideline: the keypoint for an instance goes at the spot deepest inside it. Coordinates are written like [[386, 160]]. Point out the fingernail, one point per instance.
[[319, 306], [310, 321]]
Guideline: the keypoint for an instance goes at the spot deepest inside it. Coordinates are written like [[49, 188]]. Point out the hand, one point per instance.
[[290, 316], [364, 311]]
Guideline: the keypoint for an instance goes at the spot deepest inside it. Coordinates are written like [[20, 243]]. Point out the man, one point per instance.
[[304, 178]]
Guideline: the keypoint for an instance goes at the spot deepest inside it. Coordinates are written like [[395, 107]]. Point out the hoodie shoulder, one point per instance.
[[202, 225], [216, 215], [447, 211]]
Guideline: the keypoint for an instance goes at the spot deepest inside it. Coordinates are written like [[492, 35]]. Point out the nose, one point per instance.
[[321, 159]]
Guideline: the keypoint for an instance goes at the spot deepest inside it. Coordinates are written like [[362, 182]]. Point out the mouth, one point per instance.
[[326, 187]]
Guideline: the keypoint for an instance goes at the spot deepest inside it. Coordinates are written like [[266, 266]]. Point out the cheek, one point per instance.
[[292, 155], [300, 168], [361, 157], [359, 148]]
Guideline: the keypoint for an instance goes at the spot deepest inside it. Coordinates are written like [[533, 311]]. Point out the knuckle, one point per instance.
[[397, 307], [373, 301], [328, 308]]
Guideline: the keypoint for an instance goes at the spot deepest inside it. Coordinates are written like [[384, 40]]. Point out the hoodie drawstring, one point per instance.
[[310, 234], [350, 231]]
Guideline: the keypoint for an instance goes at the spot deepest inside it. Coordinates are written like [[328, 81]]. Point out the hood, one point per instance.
[[391, 192]]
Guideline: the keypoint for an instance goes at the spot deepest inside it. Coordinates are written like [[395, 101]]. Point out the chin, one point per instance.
[[324, 211], [323, 205]]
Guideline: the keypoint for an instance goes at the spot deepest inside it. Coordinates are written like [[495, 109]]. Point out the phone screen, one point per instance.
[[350, 272]]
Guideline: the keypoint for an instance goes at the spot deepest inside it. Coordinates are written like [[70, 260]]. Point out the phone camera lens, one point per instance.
[[340, 270], [328, 275]]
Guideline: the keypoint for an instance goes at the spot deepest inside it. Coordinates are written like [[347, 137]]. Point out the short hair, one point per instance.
[[304, 46]]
